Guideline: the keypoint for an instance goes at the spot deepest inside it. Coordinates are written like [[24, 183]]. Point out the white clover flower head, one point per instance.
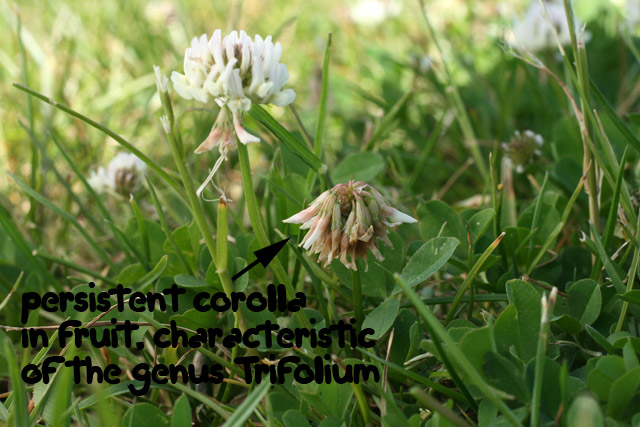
[[533, 33], [126, 172], [522, 149], [346, 222], [235, 71], [123, 175]]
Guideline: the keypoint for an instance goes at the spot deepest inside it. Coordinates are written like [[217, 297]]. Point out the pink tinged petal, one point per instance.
[[302, 216], [309, 223], [316, 231], [211, 141], [244, 136]]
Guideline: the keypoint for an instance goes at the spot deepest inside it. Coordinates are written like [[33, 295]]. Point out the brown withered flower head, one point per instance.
[[346, 223]]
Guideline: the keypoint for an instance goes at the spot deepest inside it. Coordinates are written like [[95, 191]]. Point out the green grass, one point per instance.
[[455, 304]]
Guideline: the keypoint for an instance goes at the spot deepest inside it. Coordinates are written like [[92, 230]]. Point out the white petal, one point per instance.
[[283, 98], [397, 217]]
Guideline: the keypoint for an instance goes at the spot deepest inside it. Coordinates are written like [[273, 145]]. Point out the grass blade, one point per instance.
[[141, 228], [471, 277], [244, 411], [37, 196], [559, 227], [19, 415], [384, 125], [165, 227], [322, 110], [120, 140], [289, 141], [611, 219]]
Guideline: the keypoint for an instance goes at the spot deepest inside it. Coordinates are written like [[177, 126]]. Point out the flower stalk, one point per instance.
[[258, 225], [217, 251], [222, 250], [357, 298]]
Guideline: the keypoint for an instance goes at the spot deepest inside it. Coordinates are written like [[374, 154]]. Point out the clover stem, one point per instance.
[[258, 226], [357, 298], [218, 252]]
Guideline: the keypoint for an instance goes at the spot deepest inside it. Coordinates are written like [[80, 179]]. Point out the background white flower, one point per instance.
[[374, 12], [123, 175], [533, 33]]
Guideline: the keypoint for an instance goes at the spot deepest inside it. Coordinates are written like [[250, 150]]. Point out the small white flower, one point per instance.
[[235, 71], [99, 180], [533, 33], [125, 172], [123, 175], [522, 150]]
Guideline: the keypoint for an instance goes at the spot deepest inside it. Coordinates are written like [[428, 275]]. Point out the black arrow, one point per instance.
[[263, 256]]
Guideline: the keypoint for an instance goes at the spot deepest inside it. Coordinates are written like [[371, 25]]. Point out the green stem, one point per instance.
[[470, 140], [258, 226], [631, 278], [580, 55], [221, 264], [357, 298]]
